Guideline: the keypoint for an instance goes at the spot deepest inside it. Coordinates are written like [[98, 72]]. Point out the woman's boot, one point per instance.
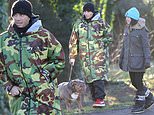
[[139, 104], [149, 99]]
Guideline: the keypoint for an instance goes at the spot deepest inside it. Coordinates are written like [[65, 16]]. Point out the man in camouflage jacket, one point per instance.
[[89, 38], [30, 61]]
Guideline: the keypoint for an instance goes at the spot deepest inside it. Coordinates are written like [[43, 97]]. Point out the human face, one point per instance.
[[21, 20], [88, 14], [128, 20]]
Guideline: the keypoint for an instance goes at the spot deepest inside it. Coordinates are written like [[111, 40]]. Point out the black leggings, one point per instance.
[[137, 81]]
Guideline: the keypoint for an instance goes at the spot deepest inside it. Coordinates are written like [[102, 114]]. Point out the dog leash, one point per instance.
[[70, 72]]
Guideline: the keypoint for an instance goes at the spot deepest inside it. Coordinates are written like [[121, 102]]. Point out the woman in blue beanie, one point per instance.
[[135, 58]]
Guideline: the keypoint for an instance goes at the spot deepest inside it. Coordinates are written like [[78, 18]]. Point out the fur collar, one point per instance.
[[140, 24]]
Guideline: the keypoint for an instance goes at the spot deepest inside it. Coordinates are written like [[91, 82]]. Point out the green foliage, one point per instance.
[[4, 109], [3, 15]]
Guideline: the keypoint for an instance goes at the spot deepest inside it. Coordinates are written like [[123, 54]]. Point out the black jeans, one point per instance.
[[137, 81], [97, 89]]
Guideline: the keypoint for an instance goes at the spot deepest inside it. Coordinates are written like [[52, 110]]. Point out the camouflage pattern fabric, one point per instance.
[[89, 40], [23, 61]]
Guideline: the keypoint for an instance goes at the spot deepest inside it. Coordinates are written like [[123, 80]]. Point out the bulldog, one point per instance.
[[72, 91]]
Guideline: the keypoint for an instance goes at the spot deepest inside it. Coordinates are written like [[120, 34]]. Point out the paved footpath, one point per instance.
[[124, 112]]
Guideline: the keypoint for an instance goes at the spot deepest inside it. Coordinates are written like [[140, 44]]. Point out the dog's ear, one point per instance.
[[70, 84]]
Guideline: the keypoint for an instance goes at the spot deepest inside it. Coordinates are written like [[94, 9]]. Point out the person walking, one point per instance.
[[89, 36], [135, 57], [31, 59]]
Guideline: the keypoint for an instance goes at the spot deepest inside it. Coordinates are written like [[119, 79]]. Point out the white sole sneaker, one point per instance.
[[99, 105]]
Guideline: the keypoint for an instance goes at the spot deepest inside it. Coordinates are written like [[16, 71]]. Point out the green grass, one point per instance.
[[119, 92]]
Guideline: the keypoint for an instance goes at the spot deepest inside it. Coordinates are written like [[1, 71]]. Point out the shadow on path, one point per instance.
[[123, 112]]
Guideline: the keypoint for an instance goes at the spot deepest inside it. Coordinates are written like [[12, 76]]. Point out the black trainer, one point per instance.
[[139, 106], [149, 101], [137, 109]]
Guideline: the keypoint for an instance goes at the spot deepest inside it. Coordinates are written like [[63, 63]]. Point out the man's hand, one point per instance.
[[15, 91], [72, 61]]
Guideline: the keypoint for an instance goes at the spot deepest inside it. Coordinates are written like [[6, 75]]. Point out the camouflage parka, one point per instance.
[[32, 62], [88, 39]]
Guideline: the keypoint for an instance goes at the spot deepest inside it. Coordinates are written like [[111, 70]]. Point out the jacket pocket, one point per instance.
[[136, 62]]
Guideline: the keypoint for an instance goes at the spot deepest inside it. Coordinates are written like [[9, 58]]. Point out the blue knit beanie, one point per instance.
[[133, 13]]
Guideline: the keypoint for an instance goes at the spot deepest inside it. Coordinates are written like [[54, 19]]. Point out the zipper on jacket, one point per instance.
[[20, 63], [129, 40], [88, 46], [20, 53]]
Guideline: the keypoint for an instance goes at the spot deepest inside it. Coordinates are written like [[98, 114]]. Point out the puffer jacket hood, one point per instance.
[[33, 28], [96, 17], [141, 24]]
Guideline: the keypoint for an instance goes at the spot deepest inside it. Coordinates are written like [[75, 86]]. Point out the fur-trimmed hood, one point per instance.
[[140, 24]]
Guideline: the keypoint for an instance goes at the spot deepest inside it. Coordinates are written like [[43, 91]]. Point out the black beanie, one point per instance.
[[23, 7], [89, 7]]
